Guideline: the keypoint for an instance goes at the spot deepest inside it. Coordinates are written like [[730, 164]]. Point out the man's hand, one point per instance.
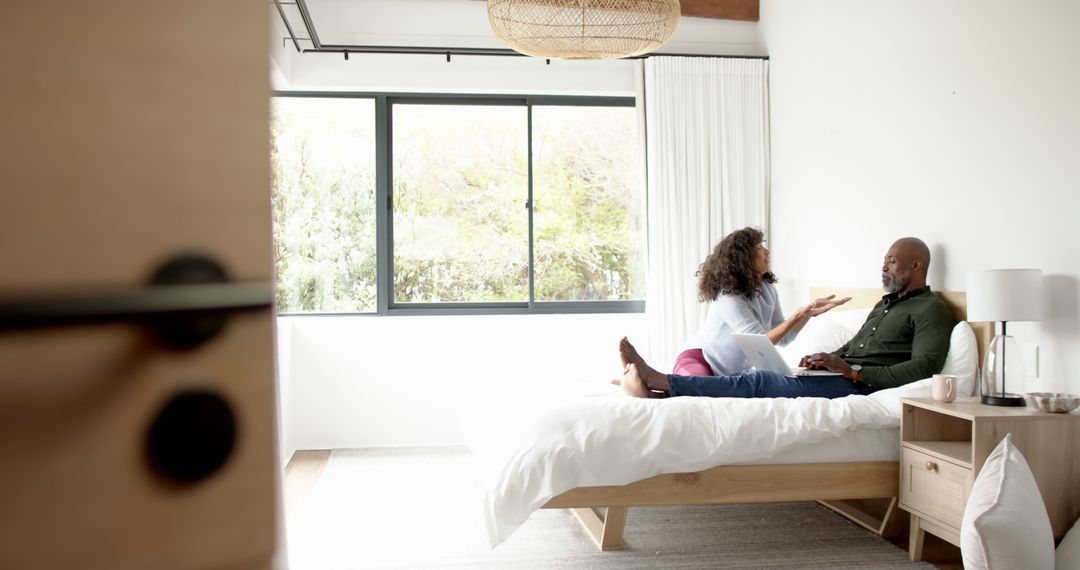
[[826, 361], [810, 360], [823, 305]]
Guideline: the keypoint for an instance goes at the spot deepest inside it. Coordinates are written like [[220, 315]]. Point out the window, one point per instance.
[[461, 187], [323, 161], [405, 204], [586, 188]]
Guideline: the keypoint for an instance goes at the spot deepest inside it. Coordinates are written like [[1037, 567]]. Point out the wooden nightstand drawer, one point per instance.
[[934, 487]]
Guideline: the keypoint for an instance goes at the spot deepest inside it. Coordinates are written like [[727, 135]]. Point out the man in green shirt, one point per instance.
[[905, 338]]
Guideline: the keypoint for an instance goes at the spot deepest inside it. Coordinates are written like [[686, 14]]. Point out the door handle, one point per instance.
[[187, 302]]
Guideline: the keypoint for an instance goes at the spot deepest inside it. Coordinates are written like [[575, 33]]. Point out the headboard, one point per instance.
[[956, 301]]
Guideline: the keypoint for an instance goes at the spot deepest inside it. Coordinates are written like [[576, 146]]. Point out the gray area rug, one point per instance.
[[418, 509], [780, 535]]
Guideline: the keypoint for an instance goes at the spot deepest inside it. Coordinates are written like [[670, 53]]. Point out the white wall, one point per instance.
[[282, 51], [463, 74], [355, 381], [957, 122]]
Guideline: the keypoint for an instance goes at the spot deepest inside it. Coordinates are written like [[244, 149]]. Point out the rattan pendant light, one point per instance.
[[583, 29]]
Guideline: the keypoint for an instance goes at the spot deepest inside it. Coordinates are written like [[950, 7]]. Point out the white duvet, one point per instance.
[[540, 444], [545, 448]]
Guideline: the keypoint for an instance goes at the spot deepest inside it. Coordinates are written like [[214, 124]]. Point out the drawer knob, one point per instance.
[[931, 466]]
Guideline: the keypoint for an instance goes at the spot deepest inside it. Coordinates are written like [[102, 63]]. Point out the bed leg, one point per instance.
[[607, 533], [891, 523], [614, 524], [880, 516]]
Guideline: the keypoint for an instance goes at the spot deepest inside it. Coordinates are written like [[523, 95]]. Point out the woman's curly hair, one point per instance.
[[729, 269]]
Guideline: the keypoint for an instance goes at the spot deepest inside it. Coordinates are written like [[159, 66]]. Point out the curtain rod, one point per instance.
[[452, 51]]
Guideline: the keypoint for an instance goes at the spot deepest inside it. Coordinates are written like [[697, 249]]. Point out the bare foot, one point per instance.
[[622, 354], [617, 381], [630, 357], [633, 385], [628, 354]]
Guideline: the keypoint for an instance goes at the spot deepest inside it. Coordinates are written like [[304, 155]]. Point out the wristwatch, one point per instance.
[[856, 373]]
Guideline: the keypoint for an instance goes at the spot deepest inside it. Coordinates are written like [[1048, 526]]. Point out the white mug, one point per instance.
[[943, 387]]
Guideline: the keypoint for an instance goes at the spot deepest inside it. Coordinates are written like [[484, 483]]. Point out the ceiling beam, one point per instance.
[[745, 10]]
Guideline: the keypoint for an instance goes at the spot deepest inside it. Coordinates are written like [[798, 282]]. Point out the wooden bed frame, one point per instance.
[[863, 491]]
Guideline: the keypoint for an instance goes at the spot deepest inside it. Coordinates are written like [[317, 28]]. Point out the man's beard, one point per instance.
[[893, 284]]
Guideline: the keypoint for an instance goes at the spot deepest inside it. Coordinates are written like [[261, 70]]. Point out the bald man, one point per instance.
[[905, 338]]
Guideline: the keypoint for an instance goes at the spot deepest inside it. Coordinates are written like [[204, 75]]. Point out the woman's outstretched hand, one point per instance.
[[824, 305]]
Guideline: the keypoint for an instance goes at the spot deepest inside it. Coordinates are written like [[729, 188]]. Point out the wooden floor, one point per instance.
[[305, 467], [301, 474]]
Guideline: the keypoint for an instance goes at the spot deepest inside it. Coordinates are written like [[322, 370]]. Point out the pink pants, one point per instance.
[[691, 363]]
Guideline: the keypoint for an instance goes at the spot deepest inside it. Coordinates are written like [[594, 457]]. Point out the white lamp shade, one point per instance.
[[1004, 295]]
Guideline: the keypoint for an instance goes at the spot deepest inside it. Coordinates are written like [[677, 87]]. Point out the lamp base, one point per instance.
[[1003, 399]]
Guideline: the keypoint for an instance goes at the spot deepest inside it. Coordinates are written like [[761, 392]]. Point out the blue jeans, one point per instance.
[[764, 384]]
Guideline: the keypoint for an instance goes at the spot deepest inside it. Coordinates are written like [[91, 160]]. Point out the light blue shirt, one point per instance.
[[737, 314]]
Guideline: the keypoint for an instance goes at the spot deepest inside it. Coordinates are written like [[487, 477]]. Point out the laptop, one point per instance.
[[762, 354]]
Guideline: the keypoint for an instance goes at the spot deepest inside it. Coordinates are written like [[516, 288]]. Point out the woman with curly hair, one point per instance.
[[737, 279]]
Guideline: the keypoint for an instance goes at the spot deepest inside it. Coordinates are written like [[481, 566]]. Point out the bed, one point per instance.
[[598, 453]]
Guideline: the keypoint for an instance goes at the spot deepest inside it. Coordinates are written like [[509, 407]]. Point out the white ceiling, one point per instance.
[[463, 23]]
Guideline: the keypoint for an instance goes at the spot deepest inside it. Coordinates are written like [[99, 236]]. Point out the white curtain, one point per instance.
[[707, 173]]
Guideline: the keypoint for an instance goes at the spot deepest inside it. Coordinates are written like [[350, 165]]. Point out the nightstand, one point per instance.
[[943, 447]]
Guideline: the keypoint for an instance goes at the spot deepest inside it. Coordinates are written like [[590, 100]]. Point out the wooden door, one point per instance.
[[133, 132]]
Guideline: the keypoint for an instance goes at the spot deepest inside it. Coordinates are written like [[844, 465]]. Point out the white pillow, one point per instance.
[[891, 396], [825, 333], [963, 359], [1068, 551], [849, 319], [816, 336], [1005, 525]]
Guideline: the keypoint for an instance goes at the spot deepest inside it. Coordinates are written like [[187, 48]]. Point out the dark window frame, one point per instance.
[[384, 280]]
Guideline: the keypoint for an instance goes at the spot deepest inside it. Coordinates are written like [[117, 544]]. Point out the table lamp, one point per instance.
[[1003, 295]]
